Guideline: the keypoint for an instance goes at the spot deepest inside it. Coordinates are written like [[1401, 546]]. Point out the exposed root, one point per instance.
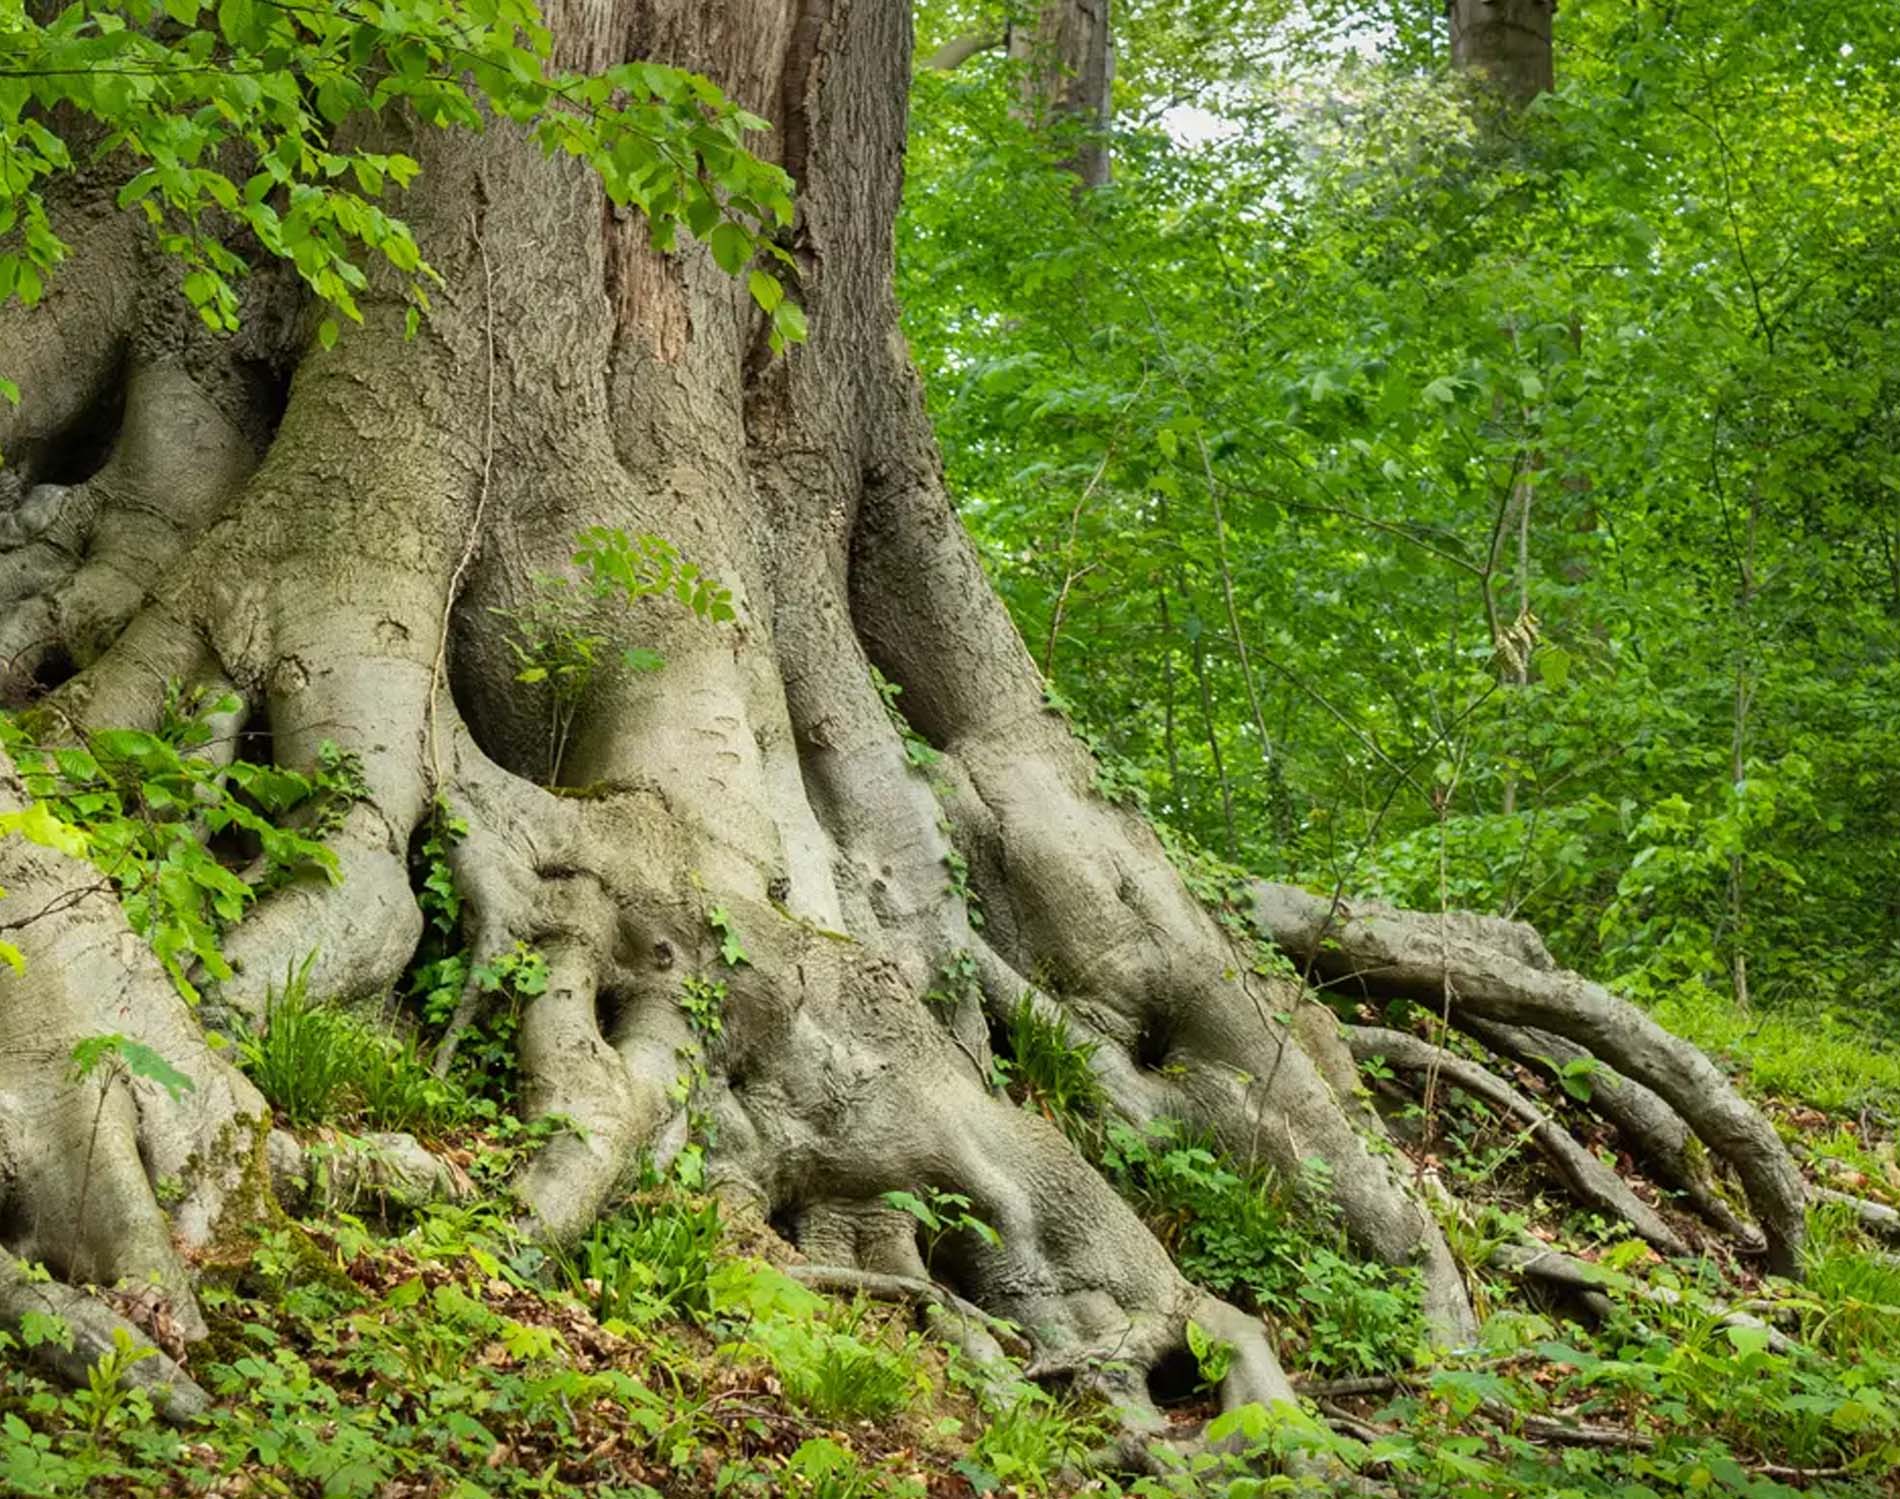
[[94, 1332], [1080, 895], [88, 1129], [1493, 974], [911, 1291], [388, 1172], [1592, 1181], [1655, 1133], [759, 776], [1876, 1217], [1565, 1270]]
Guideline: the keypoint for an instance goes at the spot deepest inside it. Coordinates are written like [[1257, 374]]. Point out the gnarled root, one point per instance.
[[1656, 1134], [89, 1332], [1592, 1181], [94, 1117], [1081, 892], [1498, 972]]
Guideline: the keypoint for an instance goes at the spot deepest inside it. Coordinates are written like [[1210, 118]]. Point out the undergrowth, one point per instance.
[[458, 1359], [320, 1064]]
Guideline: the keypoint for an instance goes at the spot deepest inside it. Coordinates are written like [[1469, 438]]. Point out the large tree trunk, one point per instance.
[[341, 563]]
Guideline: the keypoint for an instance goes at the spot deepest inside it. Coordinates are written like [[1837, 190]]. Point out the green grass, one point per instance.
[[1246, 1236], [1855, 1287], [320, 1064], [653, 1260], [1812, 1057], [1051, 1073]]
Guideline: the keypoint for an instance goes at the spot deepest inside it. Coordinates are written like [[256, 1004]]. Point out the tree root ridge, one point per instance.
[[911, 1290], [93, 1332]]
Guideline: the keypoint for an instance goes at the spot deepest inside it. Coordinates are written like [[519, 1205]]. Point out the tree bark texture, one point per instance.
[[1071, 61]]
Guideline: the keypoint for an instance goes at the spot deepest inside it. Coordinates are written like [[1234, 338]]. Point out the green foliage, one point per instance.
[[480, 1000], [644, 566], [1213, 1356], [1030, 1442], [1051, 1073], [651, 1261], [1246, 1238], [940, 1215], [319, 1064], [555, 633], [229, 127], [731, 951], [833, 1371], [461, 1351], [122, 1055], [704, 1002], [917, 749], [1823, 1057], [957, 984], [555, 650], [1555, 451], [187, 843]]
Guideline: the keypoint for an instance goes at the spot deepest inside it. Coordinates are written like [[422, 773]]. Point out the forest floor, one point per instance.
[[363, 1348]]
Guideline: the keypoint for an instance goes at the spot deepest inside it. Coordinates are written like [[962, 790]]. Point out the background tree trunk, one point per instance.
[[1508, 41], [1071, 57]]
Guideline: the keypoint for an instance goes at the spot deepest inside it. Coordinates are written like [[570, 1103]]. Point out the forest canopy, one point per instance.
[[1555, 455]]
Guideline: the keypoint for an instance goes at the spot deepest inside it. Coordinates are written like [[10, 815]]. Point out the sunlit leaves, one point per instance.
[[147, 811], [226, 122]]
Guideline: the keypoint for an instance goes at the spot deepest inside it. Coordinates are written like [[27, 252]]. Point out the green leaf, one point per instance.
[[38, 824], [731, 247], [1747, 1340], [1553, 664], [766, 290], [788, 321], [138, 1059]]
